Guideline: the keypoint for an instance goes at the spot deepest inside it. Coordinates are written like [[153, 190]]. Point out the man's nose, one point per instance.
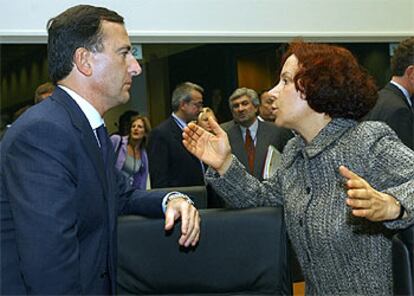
[[240, 108], [135, 68]]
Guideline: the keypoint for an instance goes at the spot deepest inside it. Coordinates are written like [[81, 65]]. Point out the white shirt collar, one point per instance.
[[181, 123], [404, 91], [94, 118], [260, 118]]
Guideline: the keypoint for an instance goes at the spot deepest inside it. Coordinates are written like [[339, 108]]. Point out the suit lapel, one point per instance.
[[175, 130], [238, 144], [88, 138], [177, 134]]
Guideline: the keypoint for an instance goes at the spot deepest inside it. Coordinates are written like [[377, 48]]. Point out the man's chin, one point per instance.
[[125, 98], [245, 123]]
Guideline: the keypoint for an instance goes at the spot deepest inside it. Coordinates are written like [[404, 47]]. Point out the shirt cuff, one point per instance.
[[173, 195]]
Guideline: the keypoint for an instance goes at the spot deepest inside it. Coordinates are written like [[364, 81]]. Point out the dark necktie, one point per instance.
[[251, 151], [103, 140]]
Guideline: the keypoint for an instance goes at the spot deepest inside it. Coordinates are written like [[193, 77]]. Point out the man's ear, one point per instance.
[[82, 61], [410, 72], [182, 103], [409, 77]]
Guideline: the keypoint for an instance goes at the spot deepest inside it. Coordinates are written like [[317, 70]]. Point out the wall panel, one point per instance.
[[227, 20]]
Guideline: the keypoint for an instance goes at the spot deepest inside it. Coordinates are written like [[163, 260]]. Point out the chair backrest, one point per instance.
[[197, 193], [403, 262], [240, 251]]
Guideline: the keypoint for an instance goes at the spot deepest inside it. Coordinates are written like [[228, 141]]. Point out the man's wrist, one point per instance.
[[174, 195], [402, 210]]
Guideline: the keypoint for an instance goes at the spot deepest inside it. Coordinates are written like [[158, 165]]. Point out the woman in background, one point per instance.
[[203, 117], [131, 156]]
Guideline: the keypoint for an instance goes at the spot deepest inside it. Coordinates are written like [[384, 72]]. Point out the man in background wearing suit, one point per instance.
[[249, 137], [395, 105], [266, 107], [170, 164], [61, 193]]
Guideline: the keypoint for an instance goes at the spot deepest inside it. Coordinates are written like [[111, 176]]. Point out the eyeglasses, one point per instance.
[[199, 105]]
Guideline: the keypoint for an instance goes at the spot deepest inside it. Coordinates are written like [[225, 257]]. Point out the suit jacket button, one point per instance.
[[103, 274]]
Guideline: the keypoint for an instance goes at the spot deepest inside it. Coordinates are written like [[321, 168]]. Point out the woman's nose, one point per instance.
[[274, 91]]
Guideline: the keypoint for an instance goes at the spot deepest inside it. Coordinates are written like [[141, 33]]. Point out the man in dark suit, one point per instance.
[[61, 193], [394, 105], [266, 107], [170, 164], [243, 104]]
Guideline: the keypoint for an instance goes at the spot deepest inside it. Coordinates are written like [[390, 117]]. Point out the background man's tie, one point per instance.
[[251, 151]]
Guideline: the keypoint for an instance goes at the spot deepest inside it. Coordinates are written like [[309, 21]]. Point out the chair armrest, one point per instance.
[[239, 251]]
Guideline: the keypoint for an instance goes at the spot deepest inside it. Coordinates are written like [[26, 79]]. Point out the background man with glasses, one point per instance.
[[170, 164]]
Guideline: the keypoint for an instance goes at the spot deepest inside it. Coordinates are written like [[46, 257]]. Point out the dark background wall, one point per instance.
[[218, 68], [225, 67], [22, 68]]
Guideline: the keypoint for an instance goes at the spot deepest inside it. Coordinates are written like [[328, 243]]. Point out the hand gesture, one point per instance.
[[212, 149], [190, 220], [367, 202]]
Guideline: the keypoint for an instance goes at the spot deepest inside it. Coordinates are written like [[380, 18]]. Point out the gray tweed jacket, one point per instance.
[[340, 254]]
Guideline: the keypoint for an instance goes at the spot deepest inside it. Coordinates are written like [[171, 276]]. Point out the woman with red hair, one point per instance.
[[345, 186]]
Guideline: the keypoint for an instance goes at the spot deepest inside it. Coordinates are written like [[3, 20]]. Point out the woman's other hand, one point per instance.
[[367, 202]]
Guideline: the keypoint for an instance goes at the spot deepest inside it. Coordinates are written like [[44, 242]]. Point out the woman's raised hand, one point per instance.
[[212, 149]]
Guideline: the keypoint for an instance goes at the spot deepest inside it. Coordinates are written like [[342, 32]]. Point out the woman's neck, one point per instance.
[[313, 127], [135, 143]]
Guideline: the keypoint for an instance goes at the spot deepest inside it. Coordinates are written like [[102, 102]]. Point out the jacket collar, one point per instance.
[[81, 123], [399, 91], [331, 133]]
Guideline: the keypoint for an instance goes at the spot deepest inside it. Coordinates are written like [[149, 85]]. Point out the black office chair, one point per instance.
[[241, 252], [403, 262]]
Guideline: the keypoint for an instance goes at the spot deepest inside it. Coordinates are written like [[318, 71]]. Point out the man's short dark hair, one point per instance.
[[78, 26], [403, 57], [261, 93]]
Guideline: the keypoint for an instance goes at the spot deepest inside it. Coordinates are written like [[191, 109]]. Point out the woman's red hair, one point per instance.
[[332, 80]]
